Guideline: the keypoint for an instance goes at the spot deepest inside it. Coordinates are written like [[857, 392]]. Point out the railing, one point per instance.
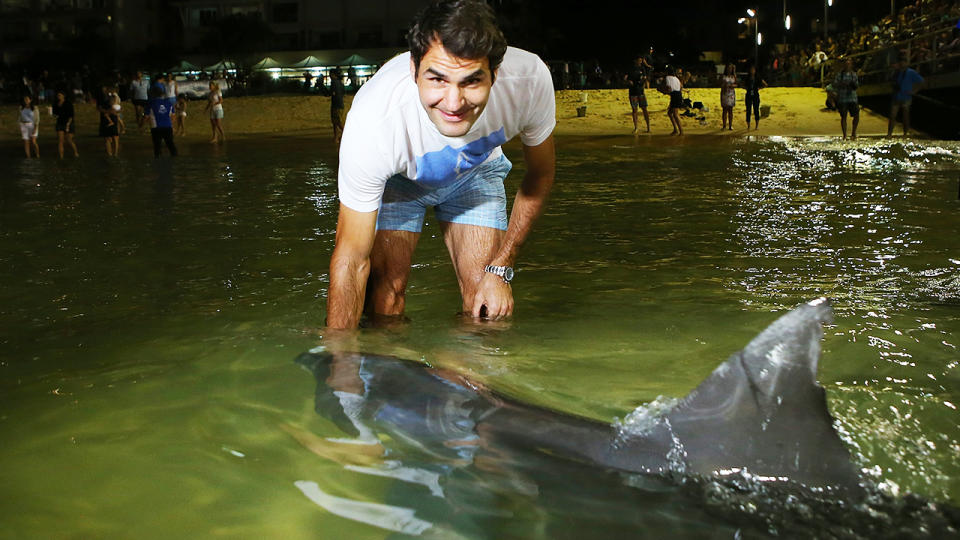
[[873, 67]]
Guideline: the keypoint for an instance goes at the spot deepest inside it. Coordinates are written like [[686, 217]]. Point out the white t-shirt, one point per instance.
[[388, 132], [672, 83]]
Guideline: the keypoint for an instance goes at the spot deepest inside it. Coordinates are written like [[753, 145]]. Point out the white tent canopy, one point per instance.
[[309, 62], [266, 63], [223, 65]]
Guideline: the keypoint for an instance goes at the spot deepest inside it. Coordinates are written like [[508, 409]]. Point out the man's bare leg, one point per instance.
[[471, 248], [389, 271]]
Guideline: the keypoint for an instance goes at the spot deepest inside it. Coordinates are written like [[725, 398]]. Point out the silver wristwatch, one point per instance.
[[503, 271]]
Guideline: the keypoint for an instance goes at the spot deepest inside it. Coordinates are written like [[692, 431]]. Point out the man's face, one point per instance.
[[453, 91]]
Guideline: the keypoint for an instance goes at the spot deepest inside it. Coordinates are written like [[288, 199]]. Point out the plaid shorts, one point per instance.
[[476, 198]]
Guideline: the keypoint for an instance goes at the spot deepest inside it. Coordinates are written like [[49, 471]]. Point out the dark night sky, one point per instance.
[[614, 31]]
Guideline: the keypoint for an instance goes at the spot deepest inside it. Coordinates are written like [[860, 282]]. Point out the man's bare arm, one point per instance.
[[350, 267], [527, 207]]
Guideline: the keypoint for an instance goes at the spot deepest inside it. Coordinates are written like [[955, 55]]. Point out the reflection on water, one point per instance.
[[151, 309]]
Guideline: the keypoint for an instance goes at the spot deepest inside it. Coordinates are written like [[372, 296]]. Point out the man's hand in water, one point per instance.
[[494, 298]]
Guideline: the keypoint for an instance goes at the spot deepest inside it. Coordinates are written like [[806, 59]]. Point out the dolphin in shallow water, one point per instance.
[[760, 412]]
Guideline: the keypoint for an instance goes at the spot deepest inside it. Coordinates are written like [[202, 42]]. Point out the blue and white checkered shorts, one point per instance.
[[476, 198]]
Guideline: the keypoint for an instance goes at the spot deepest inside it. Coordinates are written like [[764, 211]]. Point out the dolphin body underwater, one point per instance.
[[761, 413]]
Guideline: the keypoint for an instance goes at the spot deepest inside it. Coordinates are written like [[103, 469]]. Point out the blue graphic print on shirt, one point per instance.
[[449, 163]]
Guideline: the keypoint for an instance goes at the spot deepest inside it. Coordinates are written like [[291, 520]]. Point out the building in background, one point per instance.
[[300, 24], [106, 32], [125, 33]]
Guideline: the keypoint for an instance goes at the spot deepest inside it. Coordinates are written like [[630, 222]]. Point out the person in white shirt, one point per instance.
[[674, 88], [426, 131], [138, 92]]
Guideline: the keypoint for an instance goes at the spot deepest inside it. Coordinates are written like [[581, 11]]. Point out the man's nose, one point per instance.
[[453, 97]]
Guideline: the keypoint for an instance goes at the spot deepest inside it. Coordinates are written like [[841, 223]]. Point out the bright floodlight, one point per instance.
[[786, 22], [830, 3], [751, 13], [759, 38], [741, 20]]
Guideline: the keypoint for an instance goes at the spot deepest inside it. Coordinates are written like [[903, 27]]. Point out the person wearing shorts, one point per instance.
[[29, 126], [66, 127], [108, 127], [638, 98], [845, 86], [426, 131], [138, 95], [215, 106], [673, 88], [906, 83]]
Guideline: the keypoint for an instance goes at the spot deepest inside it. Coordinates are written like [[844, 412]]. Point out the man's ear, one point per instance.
[[493, 75], [413, 69]]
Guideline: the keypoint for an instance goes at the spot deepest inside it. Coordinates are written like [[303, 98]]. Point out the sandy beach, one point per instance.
[[793, 112]]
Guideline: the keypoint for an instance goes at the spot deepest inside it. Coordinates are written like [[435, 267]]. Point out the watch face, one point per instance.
[[508, 274]]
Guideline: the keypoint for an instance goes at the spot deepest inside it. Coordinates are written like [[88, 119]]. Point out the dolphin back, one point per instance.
[[763, 412]]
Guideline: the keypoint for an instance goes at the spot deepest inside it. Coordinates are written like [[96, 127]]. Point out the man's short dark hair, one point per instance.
[[466, 29]]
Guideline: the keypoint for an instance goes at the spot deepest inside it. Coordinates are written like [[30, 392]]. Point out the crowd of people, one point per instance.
[[917, 35], [158, 107]]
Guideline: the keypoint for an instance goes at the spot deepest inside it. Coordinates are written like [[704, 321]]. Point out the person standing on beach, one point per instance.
[[215, 106], [63, 111], [753, 84], [728, 95], [29, 126], [161, 110], [673, 87], [180, 117], [336, 104], [638, 98], [906, 83], [138, 94], [108, 128], [845, 86], [427, 130]]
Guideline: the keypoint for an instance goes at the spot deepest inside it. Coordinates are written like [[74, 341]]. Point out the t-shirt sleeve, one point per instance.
[[365, 163], [542, 114]]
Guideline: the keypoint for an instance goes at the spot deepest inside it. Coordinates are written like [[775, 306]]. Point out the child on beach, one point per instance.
[[180, 118], [108, 128], [29, 126], [117, 116]]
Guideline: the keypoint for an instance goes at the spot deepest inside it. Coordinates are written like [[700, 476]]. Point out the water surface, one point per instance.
[[151, 312]]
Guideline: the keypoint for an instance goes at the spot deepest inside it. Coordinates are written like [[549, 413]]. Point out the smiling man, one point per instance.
[[426, 131]]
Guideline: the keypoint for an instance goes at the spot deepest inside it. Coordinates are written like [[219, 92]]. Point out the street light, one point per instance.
[[753, 14], [826, 16]]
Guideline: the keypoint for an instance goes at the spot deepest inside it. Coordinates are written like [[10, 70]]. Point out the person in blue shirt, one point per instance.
[[905, 83], [161, 110]]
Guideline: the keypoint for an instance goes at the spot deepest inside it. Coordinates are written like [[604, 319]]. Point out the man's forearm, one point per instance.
[[348, 281], [527, 207]]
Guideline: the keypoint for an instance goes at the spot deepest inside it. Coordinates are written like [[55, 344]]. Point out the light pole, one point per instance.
[[755, 17], [826, 16]]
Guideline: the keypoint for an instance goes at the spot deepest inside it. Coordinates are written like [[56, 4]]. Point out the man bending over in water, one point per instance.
[[426, 131]]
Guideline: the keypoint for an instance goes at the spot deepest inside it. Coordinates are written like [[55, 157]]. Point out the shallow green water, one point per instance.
[[151, 312]]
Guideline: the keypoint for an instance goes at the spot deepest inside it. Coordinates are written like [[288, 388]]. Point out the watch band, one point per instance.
[[505, 272]]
